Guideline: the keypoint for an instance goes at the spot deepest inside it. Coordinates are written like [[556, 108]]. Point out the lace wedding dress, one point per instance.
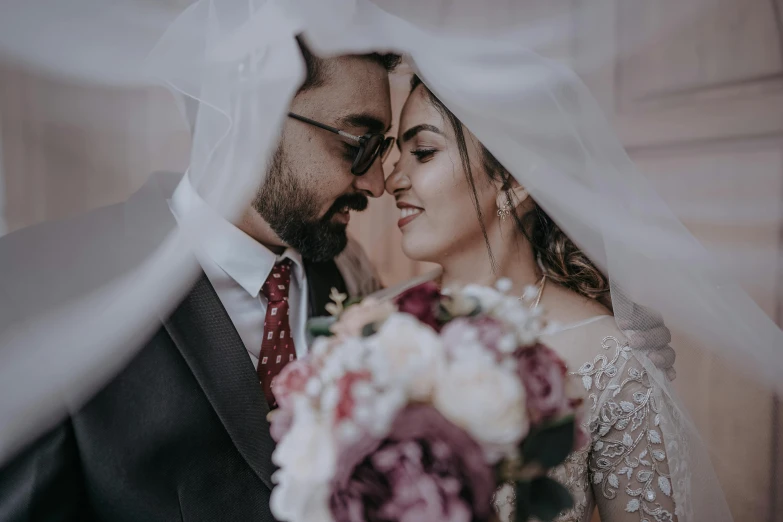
[[634, 469]]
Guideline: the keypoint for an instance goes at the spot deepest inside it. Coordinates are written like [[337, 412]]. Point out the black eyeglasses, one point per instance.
[[371, 145]]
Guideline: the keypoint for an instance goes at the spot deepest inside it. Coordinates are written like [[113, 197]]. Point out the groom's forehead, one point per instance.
[[357, 93]]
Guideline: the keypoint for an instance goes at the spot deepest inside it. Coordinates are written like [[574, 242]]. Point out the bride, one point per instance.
[[463, 210]]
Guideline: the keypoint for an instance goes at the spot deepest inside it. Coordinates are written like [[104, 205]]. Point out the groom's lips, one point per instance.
[[409, 213], [341, 208]]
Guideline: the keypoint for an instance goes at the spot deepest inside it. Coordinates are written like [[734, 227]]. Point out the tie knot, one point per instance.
[[275, 288]]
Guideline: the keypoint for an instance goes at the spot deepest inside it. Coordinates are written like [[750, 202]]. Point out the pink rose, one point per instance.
[[422, 302], [291, 379], [346, 402], [489, 332], [544, 376]]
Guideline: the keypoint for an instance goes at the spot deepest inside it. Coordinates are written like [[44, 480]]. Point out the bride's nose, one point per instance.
[[397, 181]]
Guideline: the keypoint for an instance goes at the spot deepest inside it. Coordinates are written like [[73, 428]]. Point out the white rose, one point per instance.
[[307, 458], [485, 399], [406, 352], [299, 501], [308, 449], [346, 356], [527, 324], [488, 297]]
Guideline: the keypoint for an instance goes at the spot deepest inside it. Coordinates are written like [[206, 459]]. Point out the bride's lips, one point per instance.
[[408, 213]]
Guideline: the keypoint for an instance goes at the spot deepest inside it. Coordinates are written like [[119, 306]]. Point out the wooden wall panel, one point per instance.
[[776, 488], [678, 47], [731, 409], [3, 225], [702, 98]]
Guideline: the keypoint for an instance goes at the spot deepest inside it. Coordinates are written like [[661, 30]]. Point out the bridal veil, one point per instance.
[[234, 66]]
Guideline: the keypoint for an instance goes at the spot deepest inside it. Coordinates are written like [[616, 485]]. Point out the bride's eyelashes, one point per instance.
[[423, 154]]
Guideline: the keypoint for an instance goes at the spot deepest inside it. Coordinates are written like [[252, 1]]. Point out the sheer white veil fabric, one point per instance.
[[238, 62]]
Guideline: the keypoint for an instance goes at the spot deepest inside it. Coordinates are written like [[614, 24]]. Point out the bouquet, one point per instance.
[[418, 409]]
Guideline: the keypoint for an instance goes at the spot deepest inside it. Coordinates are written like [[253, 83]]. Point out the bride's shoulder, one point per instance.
[[583, 328]]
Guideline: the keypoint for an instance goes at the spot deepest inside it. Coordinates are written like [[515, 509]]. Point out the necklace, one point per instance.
[[539, 289], [540, 285]]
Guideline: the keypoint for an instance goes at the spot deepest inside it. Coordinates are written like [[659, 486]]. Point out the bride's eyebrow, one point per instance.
[[413, 131]]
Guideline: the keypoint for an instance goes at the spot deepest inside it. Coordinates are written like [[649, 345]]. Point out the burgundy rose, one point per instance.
[[426, 470], [422, 302], [544, 375]]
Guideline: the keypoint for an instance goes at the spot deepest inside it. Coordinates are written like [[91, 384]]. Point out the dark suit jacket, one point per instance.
[[181, 433]]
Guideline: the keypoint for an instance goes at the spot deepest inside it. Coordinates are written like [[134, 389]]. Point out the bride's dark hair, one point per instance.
[[560, 259]]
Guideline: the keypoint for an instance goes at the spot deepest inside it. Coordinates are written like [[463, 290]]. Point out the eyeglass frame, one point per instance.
[[384, 147]]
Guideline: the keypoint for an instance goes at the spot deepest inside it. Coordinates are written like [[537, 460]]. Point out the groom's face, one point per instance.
[[309, 190]]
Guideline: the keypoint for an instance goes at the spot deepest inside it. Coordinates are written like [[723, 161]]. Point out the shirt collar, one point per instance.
[[241, 257]]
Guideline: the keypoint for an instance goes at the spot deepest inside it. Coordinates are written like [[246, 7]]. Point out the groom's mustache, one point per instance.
[[353, 201]]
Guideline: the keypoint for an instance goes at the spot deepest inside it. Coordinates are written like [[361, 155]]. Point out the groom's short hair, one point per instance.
[[316, 66]]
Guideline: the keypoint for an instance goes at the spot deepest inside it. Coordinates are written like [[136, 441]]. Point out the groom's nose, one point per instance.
[[371, 183]]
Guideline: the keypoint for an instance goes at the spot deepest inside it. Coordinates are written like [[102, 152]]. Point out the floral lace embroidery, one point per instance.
[[626, 438], [626, 442], [572, 474]]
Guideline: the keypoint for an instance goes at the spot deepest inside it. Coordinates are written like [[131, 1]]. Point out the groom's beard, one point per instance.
[[292, 212]]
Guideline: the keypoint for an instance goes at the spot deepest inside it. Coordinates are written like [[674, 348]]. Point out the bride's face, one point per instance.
[[437, 213]]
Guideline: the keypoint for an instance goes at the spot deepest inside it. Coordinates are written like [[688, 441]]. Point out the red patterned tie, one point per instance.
[[277, 348]]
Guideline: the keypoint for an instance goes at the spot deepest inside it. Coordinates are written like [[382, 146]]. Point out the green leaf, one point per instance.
[[369, 329], [522, 501], [549, 445], [450, 308], [548, 498], [319, 326], [443, 315]]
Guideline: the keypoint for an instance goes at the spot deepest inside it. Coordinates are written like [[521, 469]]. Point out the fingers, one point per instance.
[[641, 318], [649, 339], [662, 357], [646, 332]]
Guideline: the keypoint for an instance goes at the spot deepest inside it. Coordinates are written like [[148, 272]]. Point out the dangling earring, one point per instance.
[[503, 202], [504, 211]]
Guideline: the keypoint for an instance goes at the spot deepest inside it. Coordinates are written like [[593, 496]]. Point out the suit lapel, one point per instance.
[[212, 348]]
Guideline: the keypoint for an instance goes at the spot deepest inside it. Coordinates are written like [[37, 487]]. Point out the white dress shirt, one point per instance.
[[237, 266]]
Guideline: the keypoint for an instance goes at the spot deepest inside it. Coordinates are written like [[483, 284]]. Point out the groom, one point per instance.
[[181, 433]]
